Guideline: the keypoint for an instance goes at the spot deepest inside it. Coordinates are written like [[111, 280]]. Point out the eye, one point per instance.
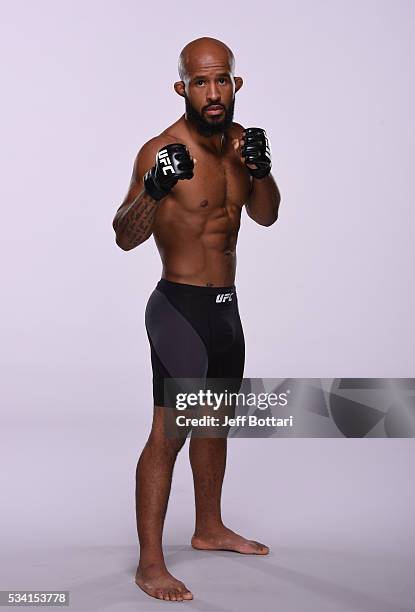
[[199, 82], [222, 80]]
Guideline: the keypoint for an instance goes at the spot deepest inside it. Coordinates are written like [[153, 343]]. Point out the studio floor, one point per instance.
[[290, 578]]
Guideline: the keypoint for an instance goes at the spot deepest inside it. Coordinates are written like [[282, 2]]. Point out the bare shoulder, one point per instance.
[[144, 160], [146, 156]]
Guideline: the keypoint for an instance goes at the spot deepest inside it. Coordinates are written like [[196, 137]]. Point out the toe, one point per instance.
[[184, 591], [261, 547], [178, 594], [173, 595]]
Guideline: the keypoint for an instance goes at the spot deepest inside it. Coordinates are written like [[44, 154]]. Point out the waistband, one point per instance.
[[194, 289]]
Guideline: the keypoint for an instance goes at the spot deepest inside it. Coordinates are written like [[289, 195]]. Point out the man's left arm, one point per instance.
[[264, 196], [264, 200]]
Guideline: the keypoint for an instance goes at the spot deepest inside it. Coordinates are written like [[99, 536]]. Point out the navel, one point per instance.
[[204, 203]]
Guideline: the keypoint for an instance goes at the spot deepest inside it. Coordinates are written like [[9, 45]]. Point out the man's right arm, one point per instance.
[[133, 221]]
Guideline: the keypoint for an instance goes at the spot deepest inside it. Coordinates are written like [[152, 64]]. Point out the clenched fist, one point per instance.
[[255, 151], [173, 163]]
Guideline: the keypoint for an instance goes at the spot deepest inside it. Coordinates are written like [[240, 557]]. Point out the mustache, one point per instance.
[[202, 125], [214, 106]]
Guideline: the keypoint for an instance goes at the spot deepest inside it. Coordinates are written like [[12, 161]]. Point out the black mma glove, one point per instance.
[[173, 163], [256, 150]]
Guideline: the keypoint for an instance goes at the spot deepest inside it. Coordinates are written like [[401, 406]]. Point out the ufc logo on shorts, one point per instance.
[[164, 159], [224, 297]]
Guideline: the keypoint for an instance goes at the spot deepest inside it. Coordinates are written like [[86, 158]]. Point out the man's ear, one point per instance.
[[238, 83], [179, 88]]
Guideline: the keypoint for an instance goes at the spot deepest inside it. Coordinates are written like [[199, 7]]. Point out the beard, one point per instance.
[[204, 127]]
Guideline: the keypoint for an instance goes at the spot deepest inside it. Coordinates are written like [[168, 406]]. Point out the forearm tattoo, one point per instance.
[[136, 222]]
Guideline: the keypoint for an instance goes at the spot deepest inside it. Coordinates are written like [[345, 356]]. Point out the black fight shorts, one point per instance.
[[194, 332]]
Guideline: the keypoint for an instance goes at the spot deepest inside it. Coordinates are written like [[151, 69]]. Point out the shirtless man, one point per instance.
[[188, 187]]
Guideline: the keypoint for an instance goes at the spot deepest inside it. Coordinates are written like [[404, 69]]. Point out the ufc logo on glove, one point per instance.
[[165, 159]]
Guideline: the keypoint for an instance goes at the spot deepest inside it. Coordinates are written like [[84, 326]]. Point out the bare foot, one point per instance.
[[156, 581], [226, 539]]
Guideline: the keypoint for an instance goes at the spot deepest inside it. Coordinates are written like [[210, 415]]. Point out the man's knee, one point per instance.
[[165, 435], [169, 446]]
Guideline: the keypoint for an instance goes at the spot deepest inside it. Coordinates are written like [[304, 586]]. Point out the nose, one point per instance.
[[213, 94]]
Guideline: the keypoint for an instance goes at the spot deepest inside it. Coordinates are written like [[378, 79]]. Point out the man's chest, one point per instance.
[[217, 182]]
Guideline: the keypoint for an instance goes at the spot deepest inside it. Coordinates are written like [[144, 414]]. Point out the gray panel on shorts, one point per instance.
[[178, 345]]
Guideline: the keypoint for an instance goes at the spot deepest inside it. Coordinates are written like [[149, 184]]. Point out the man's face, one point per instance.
[[210, 123], [210, 95]]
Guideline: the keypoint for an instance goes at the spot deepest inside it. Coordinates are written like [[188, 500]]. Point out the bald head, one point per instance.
[[208, 85], [201, 50]]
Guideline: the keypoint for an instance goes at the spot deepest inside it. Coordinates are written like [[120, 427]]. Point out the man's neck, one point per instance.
[[214, 143]]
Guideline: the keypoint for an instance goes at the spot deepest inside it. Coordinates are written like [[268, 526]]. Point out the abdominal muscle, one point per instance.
[[199, 249]]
